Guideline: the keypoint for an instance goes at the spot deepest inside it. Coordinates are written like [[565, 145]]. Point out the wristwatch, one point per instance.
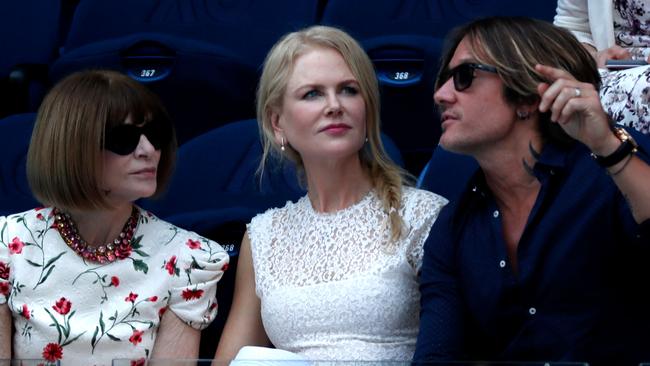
[[628, 146]]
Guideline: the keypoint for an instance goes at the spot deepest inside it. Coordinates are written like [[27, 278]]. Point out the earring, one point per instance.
[[282, 143], [366, 139], [523, 115]]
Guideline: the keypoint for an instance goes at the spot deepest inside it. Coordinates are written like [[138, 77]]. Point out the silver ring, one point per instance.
[[578, 92]]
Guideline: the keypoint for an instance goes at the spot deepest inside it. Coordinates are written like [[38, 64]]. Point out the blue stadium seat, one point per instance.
[[15, 195], [31, 32], [217, 170], [447, 173], [202, 57], [248, 28], [459, 11], [201, 84]]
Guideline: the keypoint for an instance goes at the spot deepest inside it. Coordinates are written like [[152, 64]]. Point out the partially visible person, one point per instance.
[[333, 276], [544, 255], [615, 30], [92, 277]]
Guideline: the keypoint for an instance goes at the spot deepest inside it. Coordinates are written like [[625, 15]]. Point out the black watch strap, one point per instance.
[[626, 148]]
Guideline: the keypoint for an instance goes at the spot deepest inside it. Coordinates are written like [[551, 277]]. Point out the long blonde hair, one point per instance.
[[386, 177]]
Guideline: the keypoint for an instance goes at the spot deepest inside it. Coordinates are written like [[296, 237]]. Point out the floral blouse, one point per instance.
[[632, 26], [74, 311]]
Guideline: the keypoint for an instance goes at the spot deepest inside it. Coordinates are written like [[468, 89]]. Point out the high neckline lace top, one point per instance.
[[333, 286]]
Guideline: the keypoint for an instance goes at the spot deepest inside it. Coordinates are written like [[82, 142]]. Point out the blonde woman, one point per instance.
[[334, 275]]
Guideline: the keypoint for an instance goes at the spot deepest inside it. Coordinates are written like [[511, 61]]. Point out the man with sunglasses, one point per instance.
[[543, 255]]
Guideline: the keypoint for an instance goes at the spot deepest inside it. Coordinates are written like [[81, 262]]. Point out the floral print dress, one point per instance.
[[89, 313], [625, 94]]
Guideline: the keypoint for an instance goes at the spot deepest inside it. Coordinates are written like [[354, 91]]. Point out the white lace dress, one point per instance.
[[332, 286]]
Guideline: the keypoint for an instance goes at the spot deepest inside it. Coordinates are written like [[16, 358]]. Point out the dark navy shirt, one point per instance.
[[581, 292]]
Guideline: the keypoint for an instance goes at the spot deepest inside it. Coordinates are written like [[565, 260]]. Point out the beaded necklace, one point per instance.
[[120, 248]]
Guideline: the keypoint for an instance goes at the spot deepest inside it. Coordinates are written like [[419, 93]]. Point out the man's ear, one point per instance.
[[527, 108]]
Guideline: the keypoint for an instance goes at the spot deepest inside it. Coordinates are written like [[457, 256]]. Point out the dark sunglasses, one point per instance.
[[123, 139], [463, 74]]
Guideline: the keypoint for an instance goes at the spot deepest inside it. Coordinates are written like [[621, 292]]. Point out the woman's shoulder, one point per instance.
[[26, 219], [177, 239], [415, 197], [274, 213], [420, 207]]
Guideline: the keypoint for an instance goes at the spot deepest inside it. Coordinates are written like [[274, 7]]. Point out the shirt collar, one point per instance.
[[554, 159]]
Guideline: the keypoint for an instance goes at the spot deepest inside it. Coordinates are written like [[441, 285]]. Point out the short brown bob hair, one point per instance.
[[64, 162]]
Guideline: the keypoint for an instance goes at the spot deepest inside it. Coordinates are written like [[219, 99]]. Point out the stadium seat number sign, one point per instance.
[[147, 73], [401, 75]]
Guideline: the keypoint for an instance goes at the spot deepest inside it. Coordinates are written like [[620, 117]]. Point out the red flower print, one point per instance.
[[188, 294], [25, 312], [115, 281], [153, 298], [131, 297], [4, 288], [16, 246], [62, 306], [52, 352], [40, 216], [136, 337], [213, 306], [193, 244], [4, 270], [161, 312], [171, 265], [225, 267], [138, 362]]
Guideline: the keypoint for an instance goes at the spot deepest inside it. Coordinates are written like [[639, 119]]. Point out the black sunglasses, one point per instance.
[[463, 74], [124, 139]]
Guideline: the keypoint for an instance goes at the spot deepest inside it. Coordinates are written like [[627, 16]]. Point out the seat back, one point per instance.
[[202, 85], [460, 11], [31, 32], [447, 173], [218, 170], [15, 195], [247, 27]]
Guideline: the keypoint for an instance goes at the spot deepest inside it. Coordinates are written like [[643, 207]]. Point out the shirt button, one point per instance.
[[532, 311], [502, 263], [495, 213], [552, 172]]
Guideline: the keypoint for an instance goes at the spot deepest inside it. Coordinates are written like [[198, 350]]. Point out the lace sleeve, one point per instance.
[[260, 233], [421, 208], [201, 263]]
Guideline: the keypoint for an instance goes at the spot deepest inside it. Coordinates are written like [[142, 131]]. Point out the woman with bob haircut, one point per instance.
[[332, 276], [90, 277]]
